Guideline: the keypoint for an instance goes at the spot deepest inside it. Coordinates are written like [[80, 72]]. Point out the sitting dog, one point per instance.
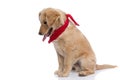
[[72, 47]]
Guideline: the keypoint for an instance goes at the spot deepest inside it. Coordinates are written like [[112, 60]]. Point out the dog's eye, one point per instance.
[[45, 22]]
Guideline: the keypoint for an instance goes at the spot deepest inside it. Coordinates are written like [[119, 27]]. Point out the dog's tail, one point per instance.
[[104, 66]]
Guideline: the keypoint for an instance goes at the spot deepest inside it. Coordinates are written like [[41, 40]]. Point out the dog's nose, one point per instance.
[[40, 33]]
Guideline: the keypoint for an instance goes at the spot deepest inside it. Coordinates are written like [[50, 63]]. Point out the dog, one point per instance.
[[72, 47]]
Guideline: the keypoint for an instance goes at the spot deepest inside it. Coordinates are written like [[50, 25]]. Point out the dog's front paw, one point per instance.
[[63, 75], [58, 72]]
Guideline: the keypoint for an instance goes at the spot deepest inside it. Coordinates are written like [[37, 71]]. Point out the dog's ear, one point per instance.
[[53, 18], [39, 14]]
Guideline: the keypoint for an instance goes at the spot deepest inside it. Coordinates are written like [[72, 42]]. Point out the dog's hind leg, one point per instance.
[[88, 66]]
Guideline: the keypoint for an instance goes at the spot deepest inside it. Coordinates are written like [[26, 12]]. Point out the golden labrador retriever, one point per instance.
[[72, 47]]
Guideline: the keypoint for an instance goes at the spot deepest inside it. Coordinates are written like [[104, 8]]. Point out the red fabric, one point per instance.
[[60, 30]]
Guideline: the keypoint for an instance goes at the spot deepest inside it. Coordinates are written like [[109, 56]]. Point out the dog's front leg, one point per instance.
[[61, 63], [68, 62]]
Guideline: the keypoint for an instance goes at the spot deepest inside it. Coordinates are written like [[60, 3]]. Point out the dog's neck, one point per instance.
[[60, 30]]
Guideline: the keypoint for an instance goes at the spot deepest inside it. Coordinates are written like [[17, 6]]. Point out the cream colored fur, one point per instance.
[[72, 47]]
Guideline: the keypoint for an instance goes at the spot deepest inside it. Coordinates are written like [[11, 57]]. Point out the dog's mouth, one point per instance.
[[48, 33]]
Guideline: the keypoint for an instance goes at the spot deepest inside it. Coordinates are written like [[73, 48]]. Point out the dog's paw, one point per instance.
[[58, 72], [85, 73], [82, 73], [61, 74]]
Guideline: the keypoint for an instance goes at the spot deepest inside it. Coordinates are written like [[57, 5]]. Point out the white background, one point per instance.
[[23, 55]]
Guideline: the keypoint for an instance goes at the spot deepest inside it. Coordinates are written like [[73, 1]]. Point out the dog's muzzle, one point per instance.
[[48, 34]]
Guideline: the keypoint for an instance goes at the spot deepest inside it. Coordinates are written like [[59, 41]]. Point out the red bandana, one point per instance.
[[60, 30]]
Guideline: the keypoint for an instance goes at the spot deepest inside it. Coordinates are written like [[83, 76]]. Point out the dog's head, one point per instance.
[[50, 19]]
